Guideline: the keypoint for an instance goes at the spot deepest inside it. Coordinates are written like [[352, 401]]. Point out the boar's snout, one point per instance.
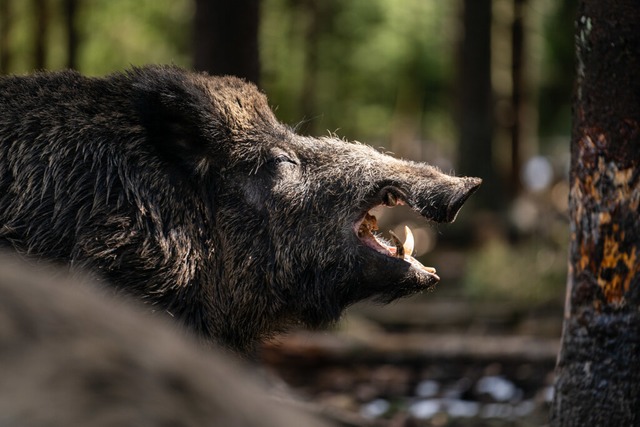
[[439, 197], [460, 193]]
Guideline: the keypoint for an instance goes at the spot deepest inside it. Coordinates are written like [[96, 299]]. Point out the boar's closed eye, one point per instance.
[[282, 158], [281, 164]]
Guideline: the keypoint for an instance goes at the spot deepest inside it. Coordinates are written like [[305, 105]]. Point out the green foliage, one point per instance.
[[21, 36], [114, 34], [366, 69], [121, 33], [368, 55], [530, 272]]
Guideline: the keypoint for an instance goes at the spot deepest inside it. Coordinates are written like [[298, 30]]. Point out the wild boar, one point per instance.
[[185, 191], [70, 357]]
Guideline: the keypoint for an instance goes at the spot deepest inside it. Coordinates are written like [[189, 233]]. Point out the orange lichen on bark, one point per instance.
[[606, 198], [615, 285], [604, 218], [622, 177]]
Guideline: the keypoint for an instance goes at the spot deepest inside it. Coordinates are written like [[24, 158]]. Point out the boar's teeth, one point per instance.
[[408, 241], [406, 248], [398, 243]]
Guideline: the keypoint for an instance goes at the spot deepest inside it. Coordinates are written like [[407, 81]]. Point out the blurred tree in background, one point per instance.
[[475, 99], [225, 38]]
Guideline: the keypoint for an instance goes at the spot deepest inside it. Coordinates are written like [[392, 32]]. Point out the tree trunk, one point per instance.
[[517, 93], [40, 39], [475, 100], [226, 38], [5, 46], [70, 9], [313, 13], [598, 372]]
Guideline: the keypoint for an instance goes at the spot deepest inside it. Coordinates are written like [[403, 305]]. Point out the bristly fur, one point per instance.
[[184, 190]]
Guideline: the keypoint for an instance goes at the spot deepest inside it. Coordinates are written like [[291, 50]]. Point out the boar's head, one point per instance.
[[185, 191], [294, 241]]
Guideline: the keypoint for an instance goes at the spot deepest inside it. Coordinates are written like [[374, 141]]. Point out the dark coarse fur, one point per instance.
[[184, 190], [70, 357]]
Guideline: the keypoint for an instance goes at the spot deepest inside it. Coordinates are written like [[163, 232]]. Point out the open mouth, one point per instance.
[[366, 229]]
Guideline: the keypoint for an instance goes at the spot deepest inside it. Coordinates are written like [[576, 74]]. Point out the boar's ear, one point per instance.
[[172, 112]]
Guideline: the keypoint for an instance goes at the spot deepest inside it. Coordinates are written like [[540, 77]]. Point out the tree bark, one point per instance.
[[226, 38], [598, 371]]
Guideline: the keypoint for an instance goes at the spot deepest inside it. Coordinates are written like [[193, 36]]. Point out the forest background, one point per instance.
[[476, 87]]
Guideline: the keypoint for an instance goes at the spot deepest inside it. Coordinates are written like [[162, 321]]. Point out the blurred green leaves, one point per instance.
[[367, 53], [114, 34], [375, 70], [530, 272]]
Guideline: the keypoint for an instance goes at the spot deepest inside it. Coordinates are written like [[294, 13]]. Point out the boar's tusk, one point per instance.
[[408, 241]]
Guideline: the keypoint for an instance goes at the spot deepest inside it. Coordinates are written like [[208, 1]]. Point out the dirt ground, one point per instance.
[[427, 362]]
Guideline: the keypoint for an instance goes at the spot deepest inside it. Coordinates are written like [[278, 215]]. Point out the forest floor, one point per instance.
[[433, 360]]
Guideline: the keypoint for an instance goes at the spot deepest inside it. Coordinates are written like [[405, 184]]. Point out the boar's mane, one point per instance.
[[183, 190]]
